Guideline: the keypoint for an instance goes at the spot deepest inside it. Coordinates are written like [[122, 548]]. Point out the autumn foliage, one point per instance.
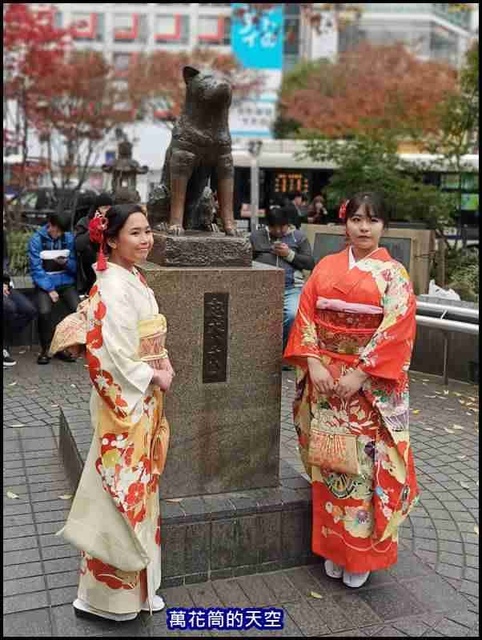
[[156, 88], [67, 97], [368, 88]]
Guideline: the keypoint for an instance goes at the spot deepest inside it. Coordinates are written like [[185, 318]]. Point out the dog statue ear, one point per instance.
[[188, 73]]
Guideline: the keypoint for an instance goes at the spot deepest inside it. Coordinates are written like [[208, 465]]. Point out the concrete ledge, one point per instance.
[[217, 536]]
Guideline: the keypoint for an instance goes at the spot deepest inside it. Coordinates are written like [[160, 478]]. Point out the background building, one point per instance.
[[432, 30], [123, 30]]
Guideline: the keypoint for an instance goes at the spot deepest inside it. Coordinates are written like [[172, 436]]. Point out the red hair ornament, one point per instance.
[[342, 210], [97, 226]]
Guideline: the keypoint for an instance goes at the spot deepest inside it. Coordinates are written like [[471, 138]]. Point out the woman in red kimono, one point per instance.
[[352, 342]]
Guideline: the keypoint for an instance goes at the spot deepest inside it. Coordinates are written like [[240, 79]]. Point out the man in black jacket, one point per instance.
[[18, 310], [287, 248]]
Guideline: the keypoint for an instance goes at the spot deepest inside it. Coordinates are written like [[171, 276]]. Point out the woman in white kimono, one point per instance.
[[115, 519]]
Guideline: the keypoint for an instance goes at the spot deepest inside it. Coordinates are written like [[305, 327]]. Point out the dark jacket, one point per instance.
[[86, 255], [6, 266], [43, 251], [262, 243]]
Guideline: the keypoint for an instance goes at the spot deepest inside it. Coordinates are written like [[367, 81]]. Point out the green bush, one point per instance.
[[463, 273], [17, 244]]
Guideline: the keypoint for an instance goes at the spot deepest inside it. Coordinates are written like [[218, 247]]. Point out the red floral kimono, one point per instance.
[[363, 317]]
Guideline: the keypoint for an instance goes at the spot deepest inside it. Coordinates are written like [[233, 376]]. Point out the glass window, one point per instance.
[[88, 26], [172, 29], [443, 45], [214, 30], [292, 36]]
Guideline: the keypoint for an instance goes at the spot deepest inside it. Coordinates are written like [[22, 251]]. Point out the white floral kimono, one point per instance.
[[115, 519]]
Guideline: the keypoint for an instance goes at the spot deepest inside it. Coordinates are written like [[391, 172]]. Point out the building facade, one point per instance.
[[431, 30]]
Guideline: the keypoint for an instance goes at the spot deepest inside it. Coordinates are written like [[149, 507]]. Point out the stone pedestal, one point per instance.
[[225, 344], [201, 249]]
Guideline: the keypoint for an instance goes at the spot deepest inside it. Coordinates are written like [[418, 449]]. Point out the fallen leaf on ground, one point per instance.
[[461, 457], [73, 385], [439, 393], [18, 424], [315, 594], [425, 380], [54, 405], [458, 427], [428, 428], [449, 409], [12, 384], [173, 499], [448, 430], [446, 392], [462, 401], [456, 393], [464, 485], [415, 411], [12, 495], [429, 396], [473, 399], [476, 529], [66, 496], [22, 352]]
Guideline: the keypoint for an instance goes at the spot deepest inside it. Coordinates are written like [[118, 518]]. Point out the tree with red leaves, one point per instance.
[[368, 89], [32, 45], [156, 87], [79, 106], [67, 97]]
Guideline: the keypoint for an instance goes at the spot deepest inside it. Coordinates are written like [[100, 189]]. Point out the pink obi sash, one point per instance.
[[345, 328]]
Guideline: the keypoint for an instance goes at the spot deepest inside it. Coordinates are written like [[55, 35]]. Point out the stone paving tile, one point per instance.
[[432, 591]]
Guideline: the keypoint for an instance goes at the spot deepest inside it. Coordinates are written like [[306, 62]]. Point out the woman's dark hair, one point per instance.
[[117, 217], [102, 200], [277, 216], [373, 203]]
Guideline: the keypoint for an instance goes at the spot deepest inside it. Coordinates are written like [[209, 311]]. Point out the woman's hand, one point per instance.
[[320, 377], [165, 365], [350, 383], [162, 378]]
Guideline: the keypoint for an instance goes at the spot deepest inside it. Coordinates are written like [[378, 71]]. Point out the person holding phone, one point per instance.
[[280, 245]]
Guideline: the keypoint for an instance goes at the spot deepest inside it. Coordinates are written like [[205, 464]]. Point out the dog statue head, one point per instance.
[[207, 87]]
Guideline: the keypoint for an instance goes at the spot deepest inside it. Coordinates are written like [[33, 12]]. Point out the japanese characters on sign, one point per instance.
[[257, 38]]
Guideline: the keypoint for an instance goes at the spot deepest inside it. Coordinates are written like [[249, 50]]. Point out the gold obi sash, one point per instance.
[[343, 332], [152, 339]]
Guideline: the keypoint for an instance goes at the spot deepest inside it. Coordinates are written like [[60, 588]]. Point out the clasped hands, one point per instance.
[[163, 376], [324, 383]]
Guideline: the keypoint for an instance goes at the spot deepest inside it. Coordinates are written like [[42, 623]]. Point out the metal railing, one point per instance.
[[439, 316]]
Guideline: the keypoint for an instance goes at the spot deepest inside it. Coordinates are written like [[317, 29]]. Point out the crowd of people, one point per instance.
[[60, 265], [349, 330]]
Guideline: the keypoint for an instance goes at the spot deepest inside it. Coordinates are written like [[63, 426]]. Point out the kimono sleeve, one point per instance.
[[303, 338], [388, 353], [117, 373]]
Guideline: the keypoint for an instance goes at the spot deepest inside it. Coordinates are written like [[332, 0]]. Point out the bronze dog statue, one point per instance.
[[201, 144]]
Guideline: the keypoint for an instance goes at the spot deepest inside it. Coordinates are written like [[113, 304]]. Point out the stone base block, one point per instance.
[[225, 343], [198, 249]]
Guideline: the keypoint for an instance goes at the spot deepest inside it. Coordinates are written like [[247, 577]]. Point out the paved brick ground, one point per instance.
[[432, 591]]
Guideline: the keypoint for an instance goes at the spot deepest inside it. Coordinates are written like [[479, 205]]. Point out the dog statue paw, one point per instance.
[[175, 230], [233, 231]]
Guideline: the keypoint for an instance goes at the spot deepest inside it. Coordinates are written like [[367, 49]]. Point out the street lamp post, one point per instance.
[[254, 148]]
